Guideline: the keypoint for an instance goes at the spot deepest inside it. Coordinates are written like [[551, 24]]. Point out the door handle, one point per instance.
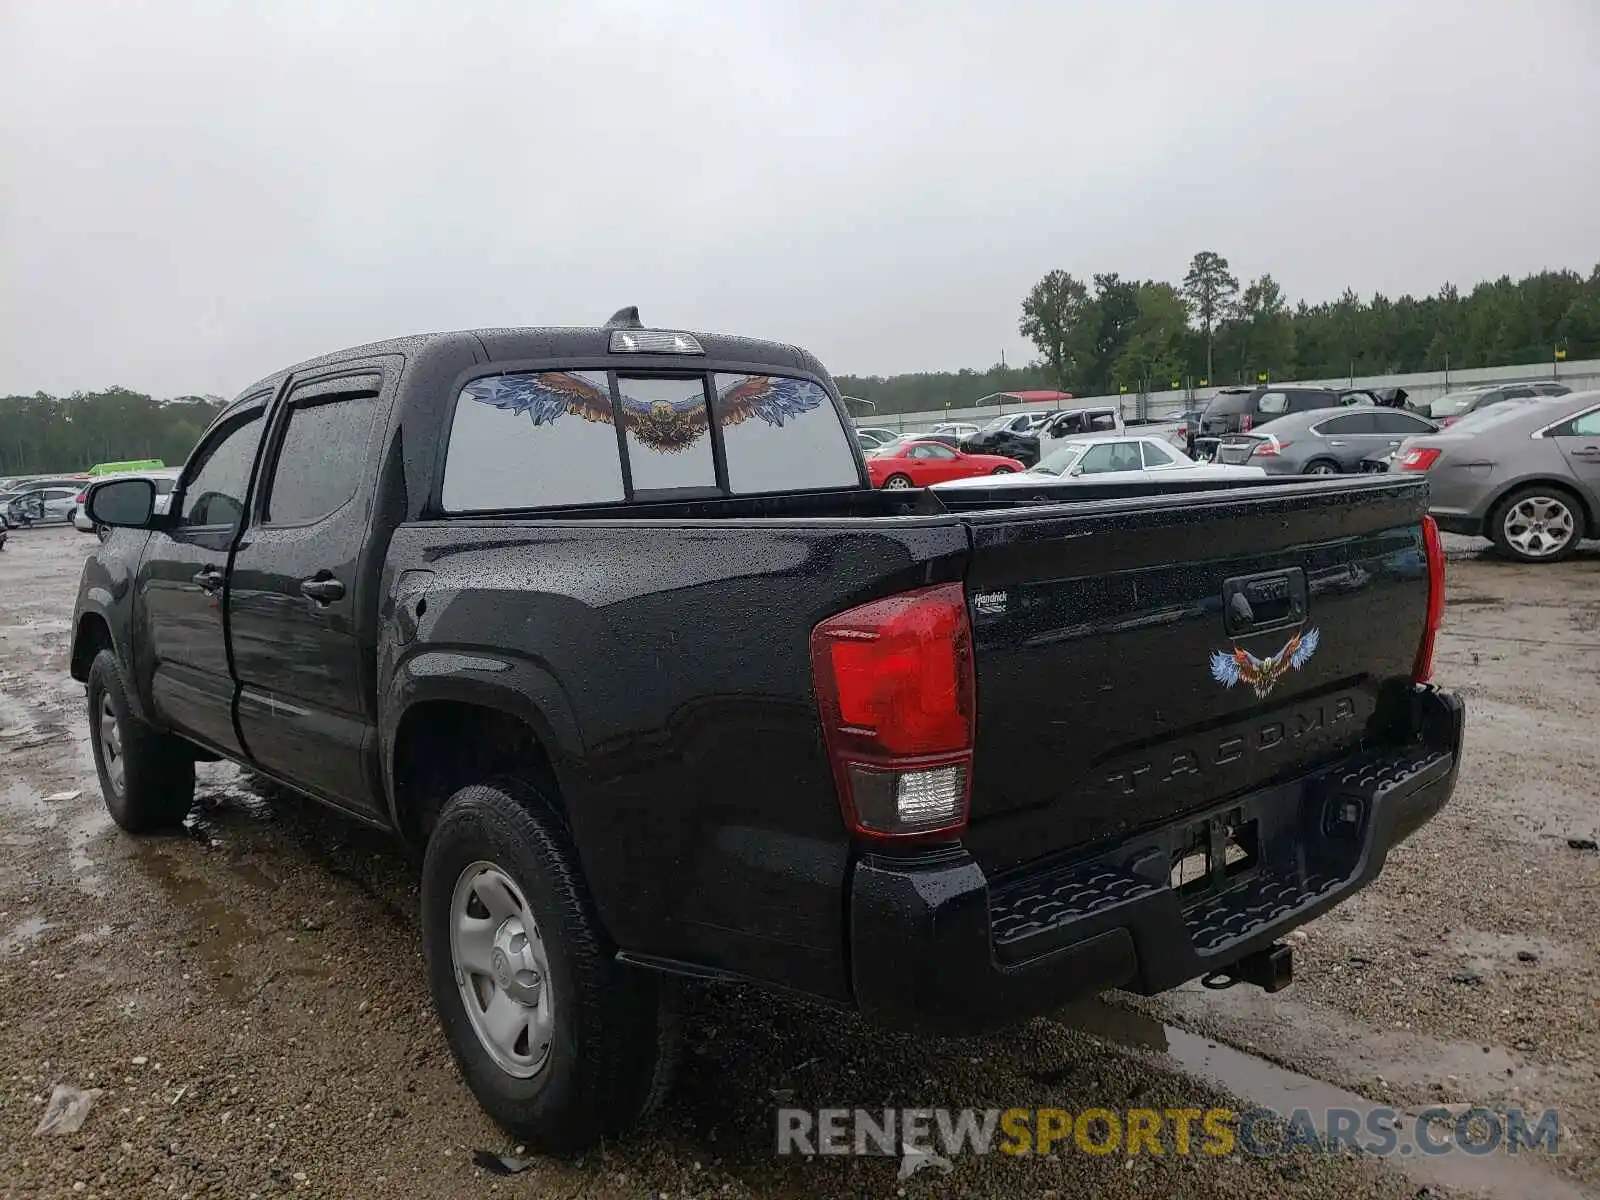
[[1586, 452], [1335, 442], [324, 589], [208, 579]]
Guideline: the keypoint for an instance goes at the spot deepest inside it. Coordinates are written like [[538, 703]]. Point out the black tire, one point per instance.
[[1502, 539], [613, 1037], [157, 770], [1321, 466], [897, 481], [1004, 471]]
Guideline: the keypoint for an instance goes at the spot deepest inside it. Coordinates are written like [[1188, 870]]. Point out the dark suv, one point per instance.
[[1239, 410]]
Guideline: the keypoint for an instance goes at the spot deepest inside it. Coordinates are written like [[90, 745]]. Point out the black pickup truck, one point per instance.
[[608, 623]]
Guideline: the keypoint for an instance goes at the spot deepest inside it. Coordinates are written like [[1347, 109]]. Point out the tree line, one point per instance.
[[1108, 334], [43, 433]]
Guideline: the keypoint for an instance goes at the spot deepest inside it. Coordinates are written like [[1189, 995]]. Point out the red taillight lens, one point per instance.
[[1183, 430], [1422, 669], [1418, 460], [897, 696], [1246, 422], [1267, 449], [82, 496]]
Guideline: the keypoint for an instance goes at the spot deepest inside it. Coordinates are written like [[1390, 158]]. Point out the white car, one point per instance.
[[958, 429], [165, 481], [1110, 459]]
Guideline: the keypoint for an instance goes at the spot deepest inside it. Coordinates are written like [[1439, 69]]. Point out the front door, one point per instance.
[[1579, 440], [294, 598], [182, 581]]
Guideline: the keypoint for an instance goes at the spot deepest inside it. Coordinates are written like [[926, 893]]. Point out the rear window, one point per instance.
[[533, 441], [1228, 404], [1486, 418], [1454, 404], [781, 434], [549, 439]]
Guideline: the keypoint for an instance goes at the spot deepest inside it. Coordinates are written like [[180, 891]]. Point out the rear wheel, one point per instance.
[[1003, 471], [147, 777], [1537, 524], [1322, 467], [898, 482], [561, 1044]]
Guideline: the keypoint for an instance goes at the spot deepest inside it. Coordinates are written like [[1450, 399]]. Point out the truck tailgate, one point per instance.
[[1139, 659]]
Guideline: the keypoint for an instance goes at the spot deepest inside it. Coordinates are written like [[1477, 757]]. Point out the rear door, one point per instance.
[[1579, 440], [293, 595], [186, 672], [1138, 660], [1351, 435]]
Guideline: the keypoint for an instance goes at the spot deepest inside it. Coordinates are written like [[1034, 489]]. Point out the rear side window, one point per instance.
[[1348, 423], [1155, 456], [781, 434], [323, 452], [1399, 422], [1273, 404], [533, 441], [1102, 422]]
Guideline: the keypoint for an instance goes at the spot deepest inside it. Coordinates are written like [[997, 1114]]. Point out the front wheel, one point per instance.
[[562, 1045], [1537, 524], [1003, 471], [146, 777], [898, 482]]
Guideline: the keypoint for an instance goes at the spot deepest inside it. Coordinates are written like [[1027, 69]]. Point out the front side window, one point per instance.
[[213, 495], [533, 441], [322, 455]]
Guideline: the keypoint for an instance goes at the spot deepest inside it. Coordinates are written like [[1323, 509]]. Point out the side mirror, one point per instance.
[[128, 503], [1075, 472]]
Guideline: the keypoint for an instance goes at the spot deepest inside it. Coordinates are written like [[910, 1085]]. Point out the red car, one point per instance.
[[921, 464]]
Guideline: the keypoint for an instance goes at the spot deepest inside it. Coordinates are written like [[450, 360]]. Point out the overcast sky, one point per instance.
[[192, 196]]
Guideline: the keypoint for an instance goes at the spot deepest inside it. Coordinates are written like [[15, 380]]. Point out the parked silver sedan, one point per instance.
[[1524, 474]]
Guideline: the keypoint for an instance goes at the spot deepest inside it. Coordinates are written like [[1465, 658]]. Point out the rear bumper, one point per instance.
[[1453, 520], [937, 946]]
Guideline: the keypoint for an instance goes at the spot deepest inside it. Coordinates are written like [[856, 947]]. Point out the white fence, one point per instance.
[[1420, 387]]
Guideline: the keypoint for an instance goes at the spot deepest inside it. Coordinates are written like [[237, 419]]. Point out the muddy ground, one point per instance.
[[249, 994]]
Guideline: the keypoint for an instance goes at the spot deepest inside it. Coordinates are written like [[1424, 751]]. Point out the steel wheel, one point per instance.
[[110, 732], [502, 970], [898, 482], [1539, 526]]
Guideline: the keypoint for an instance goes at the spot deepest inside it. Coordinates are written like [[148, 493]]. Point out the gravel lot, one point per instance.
[[249, 994]]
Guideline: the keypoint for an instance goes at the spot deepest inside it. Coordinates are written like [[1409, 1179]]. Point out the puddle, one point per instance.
[[1258, 1082], [221, 928], [23, 933]]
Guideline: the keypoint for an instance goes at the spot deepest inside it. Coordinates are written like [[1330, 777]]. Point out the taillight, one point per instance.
[[1422, 669], [1246, 422], [897, 696], [1419, 459], [82, 496], [1449, 421], [1268, 448], [1183, 430]]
